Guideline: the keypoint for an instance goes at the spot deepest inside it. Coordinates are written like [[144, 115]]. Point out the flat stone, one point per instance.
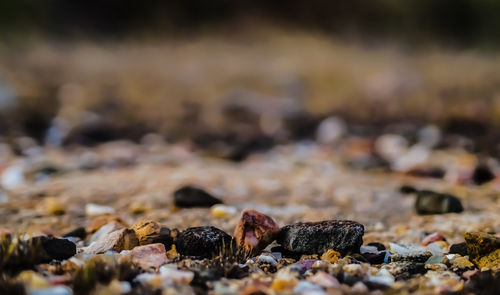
[[203, 241], [344, 236], [191, 196], [149, 256], [255, 231], [429, 202], [119, 240], [149, 232]]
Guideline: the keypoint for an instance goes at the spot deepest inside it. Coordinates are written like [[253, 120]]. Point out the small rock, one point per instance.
[[429, 202], [407, 189], [96, 210], [149, 232], [53, 206], [330, 130], [383, 277], [32, 280], [378, 245], [433, 238], [55, 248], [149, 256], [344, 236], [12, 177], [461, 264], [255, 231], [105, 231], [324, 280], [305, 287], [57, 290], [102, 220], [484, 250], [203, 241], [119, 240], [223, 211], [460, 248], [266, 259], [190, 196], [482, 174], [78, 232], [331, 256]]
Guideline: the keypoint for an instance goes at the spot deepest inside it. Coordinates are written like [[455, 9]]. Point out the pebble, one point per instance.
[[149, 256], [57, 290], [96, 210], [222, 211], [436, 236], [53, 206], [429, 202], [97, 222], [55, 248], [482, 174], [305, 287], [149, 232], [330, 130], [344, 236], [324, 280], [203, 241], [78, 232], [383, 277], [266, 259], [119, 240], [459, 248], [12, 177], [105, 231], [255, 231], [32, 279], [331, 256], [191, 196], [461, 264]]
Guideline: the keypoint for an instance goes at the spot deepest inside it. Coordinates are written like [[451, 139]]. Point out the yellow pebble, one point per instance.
[[53, 206], [172, 253], [331, 256], [280, 285]]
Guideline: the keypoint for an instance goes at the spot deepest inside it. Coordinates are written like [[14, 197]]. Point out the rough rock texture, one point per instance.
[[149, 232], [255, 231], [119, 240], [429, 202], [190, 196], [344, 236], [149, 256], [484, 249], [203, 241]]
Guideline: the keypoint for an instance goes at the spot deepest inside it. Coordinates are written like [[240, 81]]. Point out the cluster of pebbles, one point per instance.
[[299, 219]]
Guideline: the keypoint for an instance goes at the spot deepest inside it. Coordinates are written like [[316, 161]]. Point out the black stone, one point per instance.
[[190, 196], [203, 242], [407, 189], [482, 174], [375, 258], [460, 248], [429, 202], [420, 257], [78, 232], [378, 245], [344, 236], [54, 248]]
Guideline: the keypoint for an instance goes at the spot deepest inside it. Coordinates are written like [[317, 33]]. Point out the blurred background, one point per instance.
[[250, 74]]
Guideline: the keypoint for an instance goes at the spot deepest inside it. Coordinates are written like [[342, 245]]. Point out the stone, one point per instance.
[[96, 210], [57, 290], [344, 236], [407, 189], [149, 256], [149, 232], [53, 206], [255, 231], [102, 220], [54, 248], [482, 174], [119, 240], [191, 197], [331, 256], [483, 249], [436, 236], [324, 280], [223, 211], [105, 231], [203, 242], [78, 232], [459, 248], [461, 264], [429, 202]]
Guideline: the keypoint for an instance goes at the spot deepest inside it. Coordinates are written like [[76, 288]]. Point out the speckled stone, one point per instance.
[[344, 236]]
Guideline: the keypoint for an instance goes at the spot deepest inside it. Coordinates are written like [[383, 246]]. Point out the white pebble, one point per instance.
[[96, 210]]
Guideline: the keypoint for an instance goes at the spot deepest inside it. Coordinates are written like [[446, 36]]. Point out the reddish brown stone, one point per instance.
[[255, 231]]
